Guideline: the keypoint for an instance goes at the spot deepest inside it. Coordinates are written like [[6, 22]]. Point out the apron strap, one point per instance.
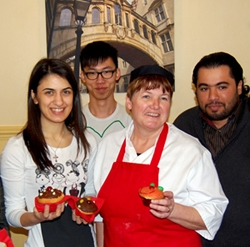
[[159, 146], [122, 152], [158, 149]]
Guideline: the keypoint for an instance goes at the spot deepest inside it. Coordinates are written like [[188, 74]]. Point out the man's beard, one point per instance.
[[228, 110]]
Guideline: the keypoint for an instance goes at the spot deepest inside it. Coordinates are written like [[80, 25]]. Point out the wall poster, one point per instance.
[[141, 30]]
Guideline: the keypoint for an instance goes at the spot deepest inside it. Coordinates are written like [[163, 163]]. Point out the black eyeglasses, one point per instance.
[[106, 74]]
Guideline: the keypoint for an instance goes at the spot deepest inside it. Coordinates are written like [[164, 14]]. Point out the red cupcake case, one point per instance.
[[87, 217]]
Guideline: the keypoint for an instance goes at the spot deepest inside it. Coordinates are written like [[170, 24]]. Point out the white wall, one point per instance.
[[23, 43]]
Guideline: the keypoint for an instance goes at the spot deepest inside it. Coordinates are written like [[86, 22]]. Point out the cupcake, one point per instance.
[[86, 206], [151, 192]]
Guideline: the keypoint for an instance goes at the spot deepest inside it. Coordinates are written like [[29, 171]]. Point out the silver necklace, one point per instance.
[[55, 157]]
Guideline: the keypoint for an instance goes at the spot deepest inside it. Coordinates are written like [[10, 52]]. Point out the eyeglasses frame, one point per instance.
[[100, 73]]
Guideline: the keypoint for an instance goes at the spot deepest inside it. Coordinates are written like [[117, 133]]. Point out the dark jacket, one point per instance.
[[233, 167]]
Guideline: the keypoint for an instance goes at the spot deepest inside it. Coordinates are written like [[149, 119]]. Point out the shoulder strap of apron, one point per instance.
[[160, 145], [122, 151]]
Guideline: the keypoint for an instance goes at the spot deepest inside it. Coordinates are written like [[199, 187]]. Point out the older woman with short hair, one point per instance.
[[153, 151]]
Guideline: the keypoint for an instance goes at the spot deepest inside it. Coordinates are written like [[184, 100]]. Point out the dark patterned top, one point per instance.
[[3, 222]]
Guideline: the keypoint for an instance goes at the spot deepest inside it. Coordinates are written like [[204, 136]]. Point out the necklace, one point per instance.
[[55, 157]]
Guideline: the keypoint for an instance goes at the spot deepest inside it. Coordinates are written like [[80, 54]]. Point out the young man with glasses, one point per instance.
[[100, 73]]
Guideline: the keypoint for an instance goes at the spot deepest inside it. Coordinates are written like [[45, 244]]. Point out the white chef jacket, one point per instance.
[[185, 168]]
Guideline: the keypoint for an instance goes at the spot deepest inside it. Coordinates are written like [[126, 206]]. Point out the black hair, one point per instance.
[[96, 52], [217, 59]]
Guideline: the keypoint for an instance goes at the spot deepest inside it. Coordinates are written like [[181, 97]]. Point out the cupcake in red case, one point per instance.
[[51, 197], [86, 207]]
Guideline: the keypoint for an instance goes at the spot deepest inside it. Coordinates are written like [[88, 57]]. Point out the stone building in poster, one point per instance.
[[142, 31]]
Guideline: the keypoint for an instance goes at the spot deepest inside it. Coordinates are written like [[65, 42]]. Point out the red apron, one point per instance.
[[127, 222]]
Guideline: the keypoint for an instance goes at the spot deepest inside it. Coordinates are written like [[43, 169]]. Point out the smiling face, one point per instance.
[[217, 93], [55, 99], [149, 108], [100, 88]]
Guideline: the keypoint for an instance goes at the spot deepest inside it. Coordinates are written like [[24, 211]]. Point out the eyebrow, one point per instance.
[[217, 84], [149, 91], [107, 67], [52, 89]]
